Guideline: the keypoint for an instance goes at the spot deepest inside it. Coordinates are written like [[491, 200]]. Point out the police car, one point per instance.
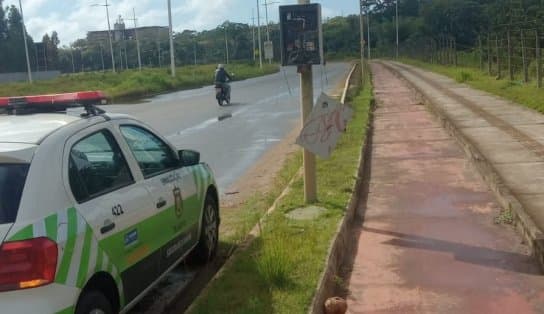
[[94, 207]]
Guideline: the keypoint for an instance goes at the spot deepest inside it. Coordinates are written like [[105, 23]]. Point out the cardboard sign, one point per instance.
[[324, 126]]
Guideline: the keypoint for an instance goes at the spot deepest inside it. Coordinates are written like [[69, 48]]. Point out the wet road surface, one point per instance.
[[263, 111], [429, 243]]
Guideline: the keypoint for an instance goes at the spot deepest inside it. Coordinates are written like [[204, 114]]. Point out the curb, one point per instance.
[[342, 243], [523, 223]]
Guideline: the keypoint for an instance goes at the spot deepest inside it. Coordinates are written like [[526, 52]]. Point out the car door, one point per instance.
[[114, 201], [170, 187]]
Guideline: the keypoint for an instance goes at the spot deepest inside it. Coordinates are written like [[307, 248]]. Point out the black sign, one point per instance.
[[301, 34]]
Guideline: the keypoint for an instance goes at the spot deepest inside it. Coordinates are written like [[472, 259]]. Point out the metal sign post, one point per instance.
[[302, 45]]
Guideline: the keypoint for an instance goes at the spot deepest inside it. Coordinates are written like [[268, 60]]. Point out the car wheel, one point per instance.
[[206, 248], [93, 302]]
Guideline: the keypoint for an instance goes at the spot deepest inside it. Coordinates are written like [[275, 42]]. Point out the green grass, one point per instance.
[[280, 270], [524, 94], [132, 83]]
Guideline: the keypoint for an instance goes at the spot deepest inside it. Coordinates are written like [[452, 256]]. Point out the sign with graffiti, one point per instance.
[[324, 126]]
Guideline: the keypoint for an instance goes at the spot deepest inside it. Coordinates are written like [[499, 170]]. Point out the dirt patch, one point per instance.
[[259, 178]]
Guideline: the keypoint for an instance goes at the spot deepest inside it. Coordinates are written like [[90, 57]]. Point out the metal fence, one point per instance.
[[22, 76]]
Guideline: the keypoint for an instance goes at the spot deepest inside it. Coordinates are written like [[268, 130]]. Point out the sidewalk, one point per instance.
[[428, 243]]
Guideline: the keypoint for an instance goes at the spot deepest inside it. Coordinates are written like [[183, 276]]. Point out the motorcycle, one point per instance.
[[221, 95]]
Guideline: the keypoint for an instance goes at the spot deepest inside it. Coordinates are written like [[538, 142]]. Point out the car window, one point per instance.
[[152, 154], [97, 166], [12, 181]]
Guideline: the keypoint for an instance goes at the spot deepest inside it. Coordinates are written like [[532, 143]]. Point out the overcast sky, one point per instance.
[[73, 18]]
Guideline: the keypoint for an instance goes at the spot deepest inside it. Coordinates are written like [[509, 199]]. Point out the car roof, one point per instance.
[[32, 129]]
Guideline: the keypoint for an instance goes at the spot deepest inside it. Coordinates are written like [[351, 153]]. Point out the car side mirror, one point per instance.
[[189, 158]]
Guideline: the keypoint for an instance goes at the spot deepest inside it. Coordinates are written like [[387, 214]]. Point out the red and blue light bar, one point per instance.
[[67, 99]]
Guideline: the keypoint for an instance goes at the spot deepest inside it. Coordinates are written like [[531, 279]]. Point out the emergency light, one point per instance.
[[54, 103]]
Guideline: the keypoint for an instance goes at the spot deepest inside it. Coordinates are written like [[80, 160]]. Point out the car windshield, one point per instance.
[[12, 181]]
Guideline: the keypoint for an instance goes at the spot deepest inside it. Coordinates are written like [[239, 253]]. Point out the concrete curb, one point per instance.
[[523, 223], [342, 243]]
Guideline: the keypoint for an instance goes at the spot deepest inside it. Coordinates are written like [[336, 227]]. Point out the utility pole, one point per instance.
[[226, 45], [106, 5], [253, 35], [28, 69], [194, 47], [102, 58], [307, 102], [397, 26], [72, 53], [266, 4], [136, 37], [172, 60], [362, 33], [368, 32], [259, 35]]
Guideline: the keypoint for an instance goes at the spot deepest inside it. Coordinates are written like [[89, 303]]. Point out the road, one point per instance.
[[263, 111], [231, 139]]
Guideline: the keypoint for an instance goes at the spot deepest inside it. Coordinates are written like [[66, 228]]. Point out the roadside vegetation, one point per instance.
[[279, 271], [132, 83], [528, 95]]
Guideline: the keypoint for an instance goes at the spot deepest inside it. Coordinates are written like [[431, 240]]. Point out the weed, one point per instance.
[[274, 262], [463, 76], [505, 217]]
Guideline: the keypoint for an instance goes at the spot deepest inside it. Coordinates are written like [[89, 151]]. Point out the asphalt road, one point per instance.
[[262, 112]]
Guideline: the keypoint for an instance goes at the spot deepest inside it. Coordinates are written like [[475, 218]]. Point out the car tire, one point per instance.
[[206, 249], [94, 302]]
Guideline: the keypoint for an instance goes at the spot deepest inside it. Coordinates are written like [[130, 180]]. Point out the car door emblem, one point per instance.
[[178, 200]]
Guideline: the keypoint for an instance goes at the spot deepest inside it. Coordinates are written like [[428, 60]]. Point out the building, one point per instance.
[[120, 32]]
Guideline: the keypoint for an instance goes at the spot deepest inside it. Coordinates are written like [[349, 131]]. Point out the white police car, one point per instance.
[[94, 208]]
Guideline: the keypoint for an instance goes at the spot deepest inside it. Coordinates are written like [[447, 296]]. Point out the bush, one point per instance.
[[463, 76]]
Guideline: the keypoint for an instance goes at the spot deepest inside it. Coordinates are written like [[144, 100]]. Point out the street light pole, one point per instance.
[[397, 26], [26, 45], [172, 60], [259, 35], [109, 36]]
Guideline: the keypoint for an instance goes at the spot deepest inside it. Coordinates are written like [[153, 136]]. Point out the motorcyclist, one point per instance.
[[221, 79]]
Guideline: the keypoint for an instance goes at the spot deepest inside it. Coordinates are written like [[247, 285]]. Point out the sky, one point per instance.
[[72, 19]]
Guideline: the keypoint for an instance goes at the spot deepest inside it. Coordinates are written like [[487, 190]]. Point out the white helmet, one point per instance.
[[220, 66]]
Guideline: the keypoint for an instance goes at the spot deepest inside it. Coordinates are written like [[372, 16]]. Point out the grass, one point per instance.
[[132, 83], [280, 270], [524, 94]]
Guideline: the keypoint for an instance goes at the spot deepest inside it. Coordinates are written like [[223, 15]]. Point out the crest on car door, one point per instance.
[[178, 200]]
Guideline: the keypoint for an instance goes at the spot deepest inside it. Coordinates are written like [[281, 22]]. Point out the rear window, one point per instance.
[[12, 181]]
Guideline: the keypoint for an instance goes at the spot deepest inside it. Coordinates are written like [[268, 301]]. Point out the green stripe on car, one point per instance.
[[84, 262], [51, 227], [68, 247]]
